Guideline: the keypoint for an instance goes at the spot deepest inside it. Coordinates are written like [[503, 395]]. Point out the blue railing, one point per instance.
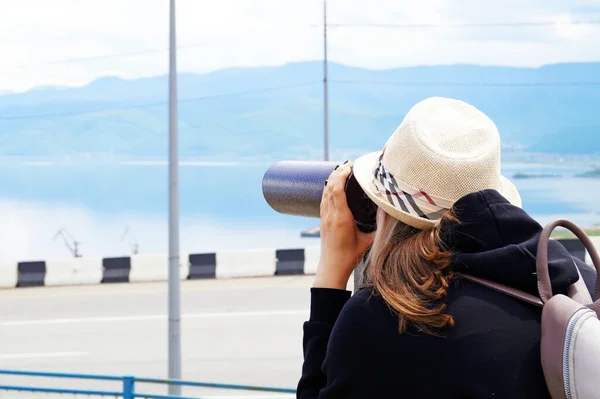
[[128, 385]]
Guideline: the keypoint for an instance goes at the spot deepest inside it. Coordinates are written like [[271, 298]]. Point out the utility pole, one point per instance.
[[174, 283], [325, 94]]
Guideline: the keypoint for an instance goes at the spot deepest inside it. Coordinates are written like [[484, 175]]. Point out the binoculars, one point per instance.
[[296, 188]]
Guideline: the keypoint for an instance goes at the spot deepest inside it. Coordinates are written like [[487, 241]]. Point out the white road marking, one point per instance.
[[14, 323], [41, 355]]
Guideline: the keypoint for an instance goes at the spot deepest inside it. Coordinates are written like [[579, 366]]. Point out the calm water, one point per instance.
[[222, 206]]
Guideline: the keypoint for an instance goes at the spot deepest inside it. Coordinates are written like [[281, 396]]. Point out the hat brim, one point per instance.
[[363, 172]]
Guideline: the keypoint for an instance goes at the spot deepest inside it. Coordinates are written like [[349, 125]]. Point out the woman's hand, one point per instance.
[[342, 244]]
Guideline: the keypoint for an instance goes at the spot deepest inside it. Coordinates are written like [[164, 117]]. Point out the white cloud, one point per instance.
[[272, 32], [567, 29]]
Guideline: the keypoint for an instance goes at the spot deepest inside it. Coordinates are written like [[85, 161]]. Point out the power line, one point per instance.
[[464, 25], [118, 55], [255, 91], [154, 104], [290, 86], [76, 113], [469, 84], [295, 85]]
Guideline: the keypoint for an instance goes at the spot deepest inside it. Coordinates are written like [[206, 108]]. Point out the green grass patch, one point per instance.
[[560, 233]]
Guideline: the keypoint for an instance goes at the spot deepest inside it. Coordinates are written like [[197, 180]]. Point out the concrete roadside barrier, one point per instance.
[[149, 268], [8, 274], [575, 247], [184, 266], [31, 274], [156, 267], [596, 242], [116, 270], [202, 266], [311, 259], [73, 271], [289, 262], [253, 263]]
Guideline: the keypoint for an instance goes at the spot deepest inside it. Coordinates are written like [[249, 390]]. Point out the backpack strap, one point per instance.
[[515, 293], [544, 286], [577, 291]]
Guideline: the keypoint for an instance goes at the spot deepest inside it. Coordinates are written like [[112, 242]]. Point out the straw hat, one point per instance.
[[443, 150]]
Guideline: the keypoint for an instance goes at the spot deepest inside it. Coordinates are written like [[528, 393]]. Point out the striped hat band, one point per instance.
[[408, 199]]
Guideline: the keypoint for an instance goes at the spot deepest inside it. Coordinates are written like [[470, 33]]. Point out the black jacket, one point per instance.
[[352, 347]]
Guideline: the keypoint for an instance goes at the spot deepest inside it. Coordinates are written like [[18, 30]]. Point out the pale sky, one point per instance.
[[36, 36]]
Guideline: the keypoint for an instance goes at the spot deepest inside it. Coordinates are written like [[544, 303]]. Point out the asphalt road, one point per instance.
[[241, 331]]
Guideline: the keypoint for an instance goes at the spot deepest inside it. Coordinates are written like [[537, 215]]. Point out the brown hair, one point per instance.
[[410, 269]]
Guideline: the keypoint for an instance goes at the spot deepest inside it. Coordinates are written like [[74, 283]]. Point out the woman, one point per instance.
[[415, 329]]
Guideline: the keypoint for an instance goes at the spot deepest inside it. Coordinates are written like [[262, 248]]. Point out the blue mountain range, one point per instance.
[[270, 111]]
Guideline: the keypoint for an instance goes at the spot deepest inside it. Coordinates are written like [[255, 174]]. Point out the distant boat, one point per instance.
[[534, 176], [315, 232]]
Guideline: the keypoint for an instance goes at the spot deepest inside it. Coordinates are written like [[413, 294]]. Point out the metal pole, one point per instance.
[[174, 295], [325, 94], [128, 387]]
